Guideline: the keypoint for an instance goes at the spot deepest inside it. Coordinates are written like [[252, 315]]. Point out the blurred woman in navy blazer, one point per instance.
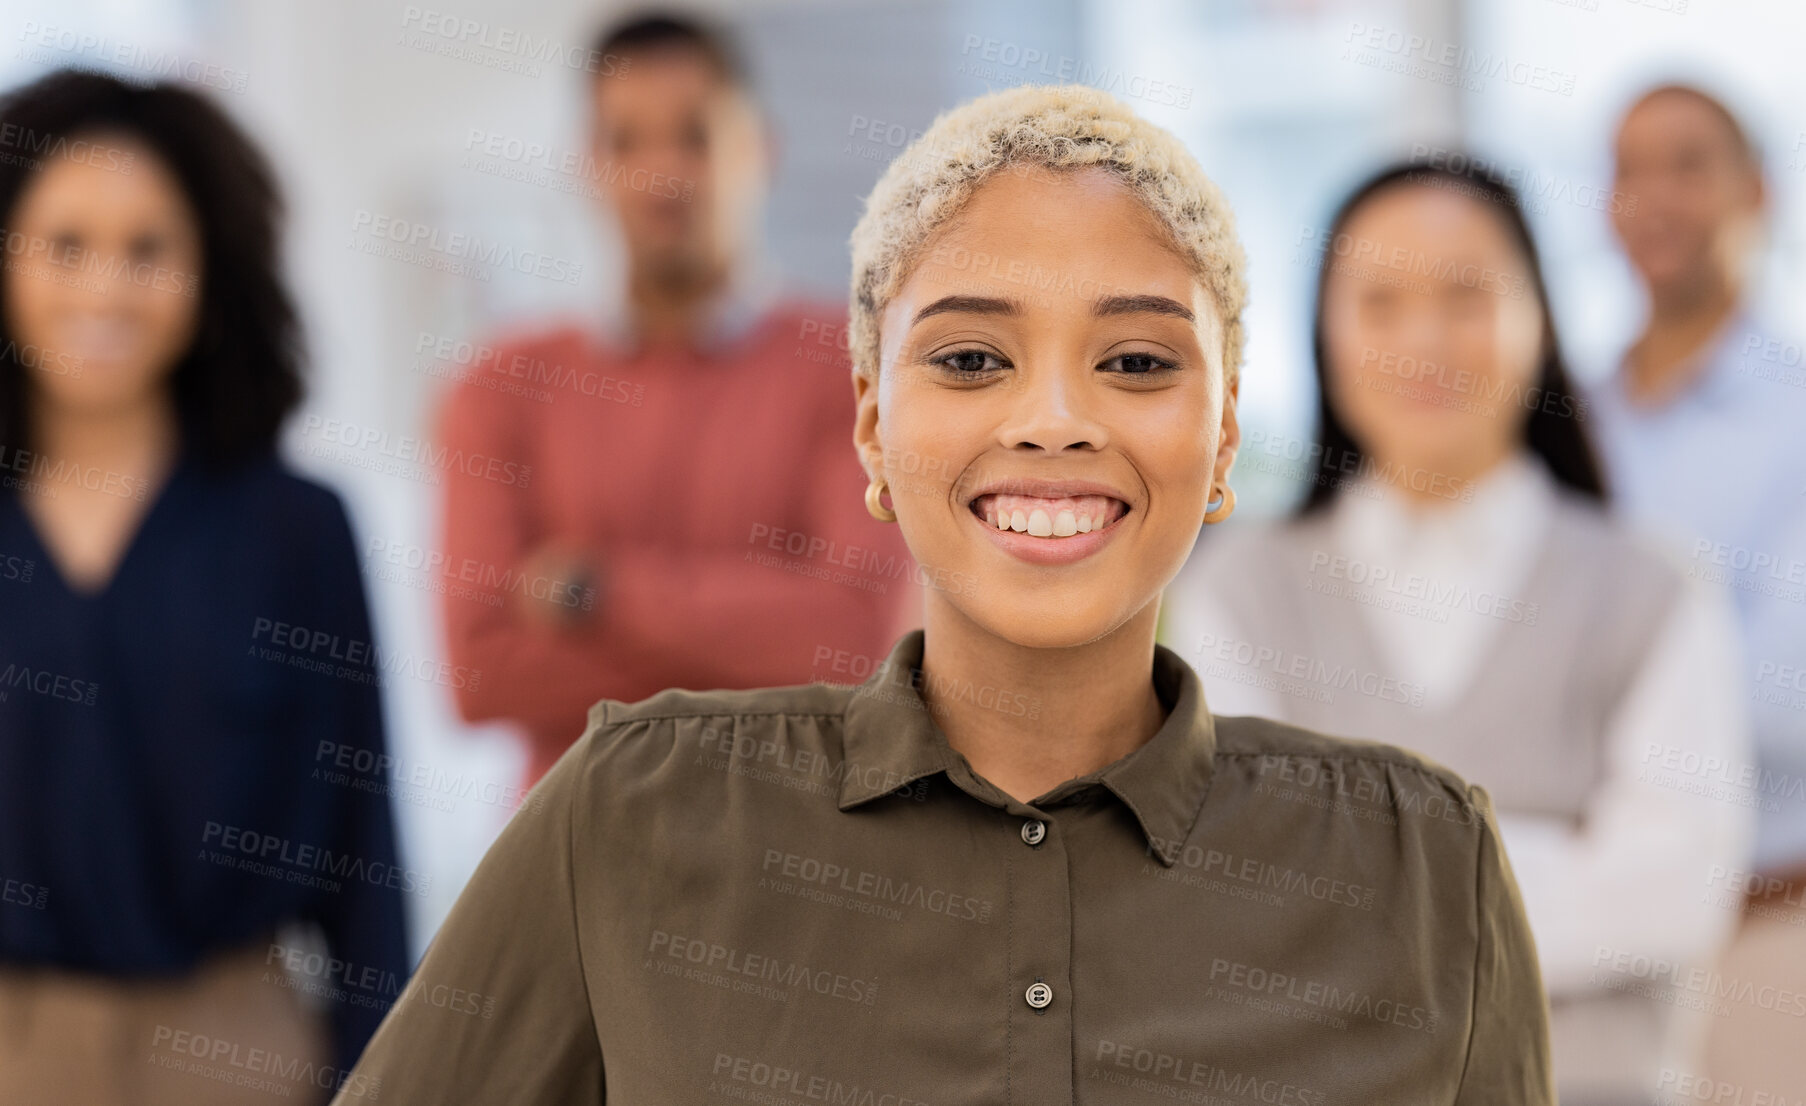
[[189, 713]]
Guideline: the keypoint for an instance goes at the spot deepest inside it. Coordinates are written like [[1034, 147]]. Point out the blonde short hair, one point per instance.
[[1057, 127]]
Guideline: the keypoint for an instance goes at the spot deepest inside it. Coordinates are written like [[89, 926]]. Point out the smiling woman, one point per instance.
[[150, 723], [1023, 862]]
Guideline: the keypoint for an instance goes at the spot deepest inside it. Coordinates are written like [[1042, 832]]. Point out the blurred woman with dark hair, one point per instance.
[[1451, 583], [187, 681]]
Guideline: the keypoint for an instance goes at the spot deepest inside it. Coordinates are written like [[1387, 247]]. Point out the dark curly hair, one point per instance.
[[242, 376]]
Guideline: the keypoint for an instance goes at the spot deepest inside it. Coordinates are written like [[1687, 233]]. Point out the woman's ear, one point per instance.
[[1231, 433], [865, 424]]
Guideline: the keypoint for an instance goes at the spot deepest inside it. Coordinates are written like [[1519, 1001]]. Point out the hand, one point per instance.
[[558, 588]]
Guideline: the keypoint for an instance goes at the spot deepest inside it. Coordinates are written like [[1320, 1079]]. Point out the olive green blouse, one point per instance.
[[805, 895]]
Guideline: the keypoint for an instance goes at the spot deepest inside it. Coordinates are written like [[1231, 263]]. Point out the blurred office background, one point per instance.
[[379, 111]]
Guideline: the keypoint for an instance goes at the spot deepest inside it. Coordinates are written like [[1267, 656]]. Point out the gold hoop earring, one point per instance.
[[875, 504], [1223, 506]]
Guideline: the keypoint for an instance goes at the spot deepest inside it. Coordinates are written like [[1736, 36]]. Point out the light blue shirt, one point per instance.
[[1720, 471]]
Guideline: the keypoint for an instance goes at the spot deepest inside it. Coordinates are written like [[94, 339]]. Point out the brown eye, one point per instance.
[[971, 362], [1137, 364]]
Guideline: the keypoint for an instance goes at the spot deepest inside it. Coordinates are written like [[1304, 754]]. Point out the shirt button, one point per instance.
[[1032, 833], [1039, 995]]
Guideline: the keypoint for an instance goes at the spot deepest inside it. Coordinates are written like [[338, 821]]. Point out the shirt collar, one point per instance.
[[753, 288], [1501, 520], [891, 740], [1716, 382]]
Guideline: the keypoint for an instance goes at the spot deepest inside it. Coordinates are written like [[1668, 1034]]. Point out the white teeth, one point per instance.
[[1060, 517]]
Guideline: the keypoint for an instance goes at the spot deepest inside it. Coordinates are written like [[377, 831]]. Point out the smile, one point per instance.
[[1048, 517]]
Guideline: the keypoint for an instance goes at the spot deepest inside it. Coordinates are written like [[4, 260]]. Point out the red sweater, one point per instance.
[[718, 493]]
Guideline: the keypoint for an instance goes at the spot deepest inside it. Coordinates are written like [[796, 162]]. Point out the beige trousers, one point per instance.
[[1759, 1048], [234, 1032]]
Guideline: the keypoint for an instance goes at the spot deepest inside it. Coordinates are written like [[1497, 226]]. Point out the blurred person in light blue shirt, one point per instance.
[[1703, 430]]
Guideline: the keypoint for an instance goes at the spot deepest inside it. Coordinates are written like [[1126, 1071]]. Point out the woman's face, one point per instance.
[[101, 281], [1049, 410], [1432, 333]]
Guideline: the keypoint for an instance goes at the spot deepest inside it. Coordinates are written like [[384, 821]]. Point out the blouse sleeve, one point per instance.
[[1508, 1051], [499, 1010]]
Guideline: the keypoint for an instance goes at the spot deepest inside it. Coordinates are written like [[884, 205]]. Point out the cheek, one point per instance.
[[171, 319], [925, 447], [30, 306]]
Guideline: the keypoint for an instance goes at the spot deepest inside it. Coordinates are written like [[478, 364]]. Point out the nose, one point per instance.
[[1054, 410]]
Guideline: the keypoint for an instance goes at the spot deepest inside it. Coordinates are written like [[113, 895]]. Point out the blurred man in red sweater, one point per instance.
[[677, 503]]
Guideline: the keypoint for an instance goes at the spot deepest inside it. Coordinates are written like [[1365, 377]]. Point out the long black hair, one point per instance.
[[1553, 430], [242, 375]]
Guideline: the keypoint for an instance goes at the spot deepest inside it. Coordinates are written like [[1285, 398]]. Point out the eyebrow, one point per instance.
[[972, 305], [1109, 305], [1142, 305]]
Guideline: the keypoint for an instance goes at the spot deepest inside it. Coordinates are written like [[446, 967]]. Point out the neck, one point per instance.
[[1029, 719], [1683, 317], [669, 304], [1438, 484], [137, 440]]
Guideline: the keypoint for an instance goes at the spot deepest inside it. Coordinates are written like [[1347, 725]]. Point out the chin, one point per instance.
[[1039, 623]]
